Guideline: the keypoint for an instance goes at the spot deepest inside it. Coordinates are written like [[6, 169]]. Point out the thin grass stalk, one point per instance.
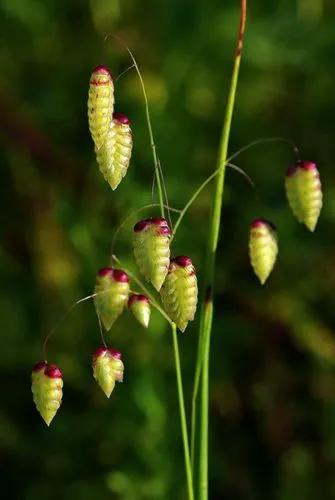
[[187, 456]]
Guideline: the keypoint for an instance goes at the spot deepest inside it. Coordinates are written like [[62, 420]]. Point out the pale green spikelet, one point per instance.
[[263, 248], [139, 305], [47, 384], [152, 249], [293, 193], [112, 289], [107, 368], [304, 192], [180, 292], [100, 105], [114, 156], [310, 193]]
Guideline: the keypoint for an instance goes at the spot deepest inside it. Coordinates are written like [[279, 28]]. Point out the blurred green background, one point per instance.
[[272, 394]]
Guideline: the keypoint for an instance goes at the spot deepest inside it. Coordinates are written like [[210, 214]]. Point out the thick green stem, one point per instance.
[[182, 414], [207, 308]]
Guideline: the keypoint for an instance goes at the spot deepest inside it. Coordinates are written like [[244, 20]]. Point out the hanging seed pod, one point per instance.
[[107, 368], [310, 191], [263, 248], [100, 104], [112, 287], [293, 193], [140, 307], [180, 291], [47, 384], [304, 192], [152, 249], [114, 156]]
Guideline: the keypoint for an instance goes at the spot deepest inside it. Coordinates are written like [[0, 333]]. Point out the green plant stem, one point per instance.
[[205, 350], [207, 305], [182, 414]]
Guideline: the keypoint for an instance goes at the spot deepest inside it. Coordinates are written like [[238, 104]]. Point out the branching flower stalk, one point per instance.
[[174, 278]]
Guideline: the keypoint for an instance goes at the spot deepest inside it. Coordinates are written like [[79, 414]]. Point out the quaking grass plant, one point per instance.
[[172, 277]]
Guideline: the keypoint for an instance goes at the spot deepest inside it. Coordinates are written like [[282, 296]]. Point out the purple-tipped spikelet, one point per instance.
[[107, 368], [180, 291], [114, 155], [263, 248], [47, 384], [112, 287], [304, 192], [140, 307], [100, 104], [152, 249]]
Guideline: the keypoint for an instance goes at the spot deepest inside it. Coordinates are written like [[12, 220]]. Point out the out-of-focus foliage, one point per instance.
[[273, 354]]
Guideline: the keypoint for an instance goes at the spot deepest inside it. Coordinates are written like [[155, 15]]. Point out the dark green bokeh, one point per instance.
[[272, 405]]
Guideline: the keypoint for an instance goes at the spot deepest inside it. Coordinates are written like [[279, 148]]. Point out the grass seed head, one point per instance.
[[263, 248], [47, 389], [112, 289]]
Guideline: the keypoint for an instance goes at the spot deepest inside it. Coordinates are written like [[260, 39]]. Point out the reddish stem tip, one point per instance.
[[52, 371], [136, 297], [182, 261], [120, 118], [120, 276]]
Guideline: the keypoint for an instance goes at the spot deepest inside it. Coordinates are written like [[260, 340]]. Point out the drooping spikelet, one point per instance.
[[263, 248], [112, 287], [304, 192], [152, 249], [114, 156], [47, 384], [140, 307], [293, 193], [310, 192], [100, 104], [180, 291], [107, 368]]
